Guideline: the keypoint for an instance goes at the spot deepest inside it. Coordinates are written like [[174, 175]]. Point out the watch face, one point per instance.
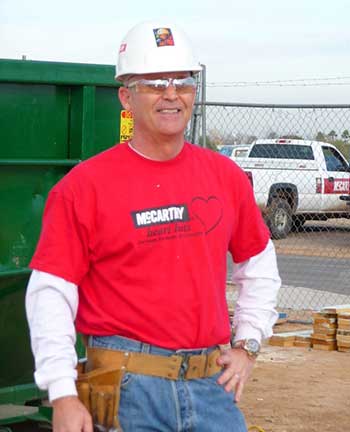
[[252, 345]]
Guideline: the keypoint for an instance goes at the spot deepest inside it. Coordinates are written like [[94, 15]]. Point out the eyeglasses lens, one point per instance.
[[158, 86]]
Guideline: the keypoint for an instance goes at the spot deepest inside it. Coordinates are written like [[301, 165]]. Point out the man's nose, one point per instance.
[[170, 92]]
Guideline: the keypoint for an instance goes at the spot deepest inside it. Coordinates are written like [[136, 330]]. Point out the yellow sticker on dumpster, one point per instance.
[[126, 125]]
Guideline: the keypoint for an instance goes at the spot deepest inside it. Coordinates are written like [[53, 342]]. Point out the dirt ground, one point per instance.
[[302, 389], [298, 389]]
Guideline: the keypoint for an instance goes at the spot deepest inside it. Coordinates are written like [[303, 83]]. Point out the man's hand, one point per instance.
[[70, 415], [237, 368]]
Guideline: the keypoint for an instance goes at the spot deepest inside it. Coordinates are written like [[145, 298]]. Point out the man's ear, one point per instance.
[[124, 97]]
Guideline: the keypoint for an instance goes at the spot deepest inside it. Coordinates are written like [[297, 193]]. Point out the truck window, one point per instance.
[[334, 161], [282, 151], [241, 152]]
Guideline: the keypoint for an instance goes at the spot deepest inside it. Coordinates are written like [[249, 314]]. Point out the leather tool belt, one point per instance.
[[99, 385]]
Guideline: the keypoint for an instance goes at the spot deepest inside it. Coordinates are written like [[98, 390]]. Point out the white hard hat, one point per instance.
[[152, 47]]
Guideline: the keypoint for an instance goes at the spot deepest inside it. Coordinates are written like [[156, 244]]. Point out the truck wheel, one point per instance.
[[279, 218]]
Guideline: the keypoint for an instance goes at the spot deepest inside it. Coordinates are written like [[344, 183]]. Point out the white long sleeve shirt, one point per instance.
[[52, 303]]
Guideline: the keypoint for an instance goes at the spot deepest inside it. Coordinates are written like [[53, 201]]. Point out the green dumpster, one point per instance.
[[52, 116]]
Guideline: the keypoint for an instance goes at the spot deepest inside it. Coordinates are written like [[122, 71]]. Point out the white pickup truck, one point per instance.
[[297, 180]]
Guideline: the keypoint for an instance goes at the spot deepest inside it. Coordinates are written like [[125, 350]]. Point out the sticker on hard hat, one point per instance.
[[126, 125], [163, 37]]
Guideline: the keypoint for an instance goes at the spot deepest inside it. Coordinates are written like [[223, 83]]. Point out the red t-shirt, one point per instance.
[[146, 243]]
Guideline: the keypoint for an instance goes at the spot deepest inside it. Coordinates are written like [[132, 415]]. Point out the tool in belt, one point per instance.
[[99, 385]]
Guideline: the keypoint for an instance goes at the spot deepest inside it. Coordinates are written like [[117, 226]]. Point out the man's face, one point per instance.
[[158, 113]]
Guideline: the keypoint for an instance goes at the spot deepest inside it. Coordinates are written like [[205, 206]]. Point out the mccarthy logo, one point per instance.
[[160, 215]]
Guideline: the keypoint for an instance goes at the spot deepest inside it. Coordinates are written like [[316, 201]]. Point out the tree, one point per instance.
[[208, 143], [250, 139], [297, 137], [320, 137], [272, 135], [215, 137], [345, 135], [242, 138], [332, 135]]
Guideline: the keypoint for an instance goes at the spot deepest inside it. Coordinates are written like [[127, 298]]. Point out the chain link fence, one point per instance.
[[301, 187]]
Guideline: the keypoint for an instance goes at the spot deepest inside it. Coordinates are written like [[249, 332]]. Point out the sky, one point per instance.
[[277, 50]]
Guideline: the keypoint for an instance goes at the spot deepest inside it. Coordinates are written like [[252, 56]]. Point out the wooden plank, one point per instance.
[[325, 325], [323, 337], [324, 317], [344, 349], [336, 309], [343, 324], [343, 340], [343, 332], [322, 347], [287, 339], [282, 342], [322, 341], [302, 342], [325, 331]]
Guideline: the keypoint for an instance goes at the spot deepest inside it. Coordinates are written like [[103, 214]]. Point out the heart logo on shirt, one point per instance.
[[208, 211]]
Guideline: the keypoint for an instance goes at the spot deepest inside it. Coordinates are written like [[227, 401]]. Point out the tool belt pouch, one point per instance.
[[99, 391]]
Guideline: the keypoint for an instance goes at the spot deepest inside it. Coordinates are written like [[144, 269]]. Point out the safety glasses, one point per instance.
[[158, 86]]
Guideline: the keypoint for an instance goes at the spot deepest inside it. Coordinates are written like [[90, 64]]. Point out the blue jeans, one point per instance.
[[157, 404]]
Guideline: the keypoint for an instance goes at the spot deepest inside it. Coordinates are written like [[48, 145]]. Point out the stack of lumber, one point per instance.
[[303, 340], [330, 331], [282, 339], [299, 338], [324, 336], [343, 332]]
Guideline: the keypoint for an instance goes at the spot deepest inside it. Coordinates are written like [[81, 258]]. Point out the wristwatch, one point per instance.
[[250, 346]]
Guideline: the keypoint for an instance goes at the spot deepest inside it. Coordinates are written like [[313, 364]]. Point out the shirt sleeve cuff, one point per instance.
[[61, 388], [246, 331]]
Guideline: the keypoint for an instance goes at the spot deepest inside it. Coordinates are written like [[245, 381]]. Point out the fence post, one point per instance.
[[204, 97]]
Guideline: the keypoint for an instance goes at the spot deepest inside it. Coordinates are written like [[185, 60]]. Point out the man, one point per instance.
[[133, 252]]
